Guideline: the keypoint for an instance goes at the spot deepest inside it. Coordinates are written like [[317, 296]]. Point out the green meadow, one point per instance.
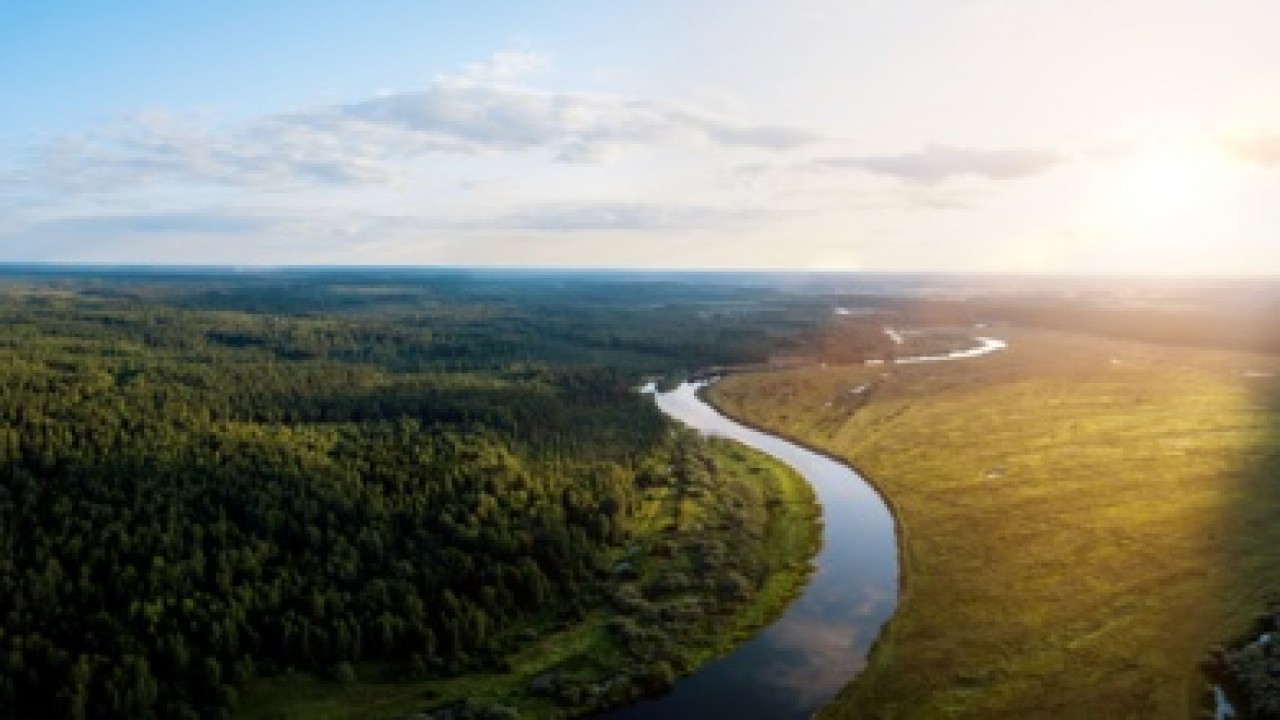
[[1080, 519]]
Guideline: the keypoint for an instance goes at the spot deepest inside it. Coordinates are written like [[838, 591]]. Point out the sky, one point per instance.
[[1117, 136]]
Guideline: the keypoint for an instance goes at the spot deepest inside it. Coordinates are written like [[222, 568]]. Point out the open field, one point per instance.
[[1081, 519], [759, 510]]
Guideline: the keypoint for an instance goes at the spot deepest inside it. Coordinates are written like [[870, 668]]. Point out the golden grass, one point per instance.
[[1081, 519]]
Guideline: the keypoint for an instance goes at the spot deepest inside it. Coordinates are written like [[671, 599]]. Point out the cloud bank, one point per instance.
[[369, 141], [476, 164], [939, 163], [630, 217]]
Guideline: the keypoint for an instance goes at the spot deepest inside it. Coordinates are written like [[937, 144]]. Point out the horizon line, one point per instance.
[[253, 268]]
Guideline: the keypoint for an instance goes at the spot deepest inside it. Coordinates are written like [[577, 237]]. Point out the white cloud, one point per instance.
[[939, 163], [162, 223], [373, 140], [466, 117], [212, 234], [282, 234], [507, 66], [638, 217]]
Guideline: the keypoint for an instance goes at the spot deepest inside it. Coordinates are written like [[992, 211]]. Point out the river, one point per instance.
[[795, 666]]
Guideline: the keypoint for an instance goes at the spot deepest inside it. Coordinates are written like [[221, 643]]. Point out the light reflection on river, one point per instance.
[[797, 664]]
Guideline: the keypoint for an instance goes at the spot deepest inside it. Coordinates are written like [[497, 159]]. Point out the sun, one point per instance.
[[1166, 181], [1167, 204]]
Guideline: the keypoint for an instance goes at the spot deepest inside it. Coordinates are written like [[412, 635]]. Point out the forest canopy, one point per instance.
[[207, 479]]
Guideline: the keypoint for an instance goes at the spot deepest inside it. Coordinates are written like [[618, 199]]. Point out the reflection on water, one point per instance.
[[796, 665], [985, 346]]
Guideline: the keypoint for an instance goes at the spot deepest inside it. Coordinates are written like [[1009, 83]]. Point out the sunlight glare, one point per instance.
[[1167, 181], [1169, 203]]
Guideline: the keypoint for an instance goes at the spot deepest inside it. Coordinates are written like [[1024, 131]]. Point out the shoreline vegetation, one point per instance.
[[1082, 519], [722, 547]]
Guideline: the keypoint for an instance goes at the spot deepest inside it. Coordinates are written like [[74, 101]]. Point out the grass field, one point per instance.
[[762, 510], [1081, 519]]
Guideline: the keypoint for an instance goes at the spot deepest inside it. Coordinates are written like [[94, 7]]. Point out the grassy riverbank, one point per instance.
[[1082, 518], [722, 544]]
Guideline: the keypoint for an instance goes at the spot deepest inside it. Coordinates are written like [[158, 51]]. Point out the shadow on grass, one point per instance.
[[1247, 665]]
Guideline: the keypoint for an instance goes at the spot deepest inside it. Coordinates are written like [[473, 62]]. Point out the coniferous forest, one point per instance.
[[206, 479]]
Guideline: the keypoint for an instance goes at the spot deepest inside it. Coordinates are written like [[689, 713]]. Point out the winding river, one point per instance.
[[795, 666]]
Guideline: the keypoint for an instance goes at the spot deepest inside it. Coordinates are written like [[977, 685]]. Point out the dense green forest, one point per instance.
[[206, 479]]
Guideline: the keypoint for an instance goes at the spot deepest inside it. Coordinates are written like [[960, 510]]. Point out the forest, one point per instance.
[[207, 479]]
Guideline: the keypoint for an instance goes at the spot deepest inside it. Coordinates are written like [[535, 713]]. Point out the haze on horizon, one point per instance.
[[954, 135]]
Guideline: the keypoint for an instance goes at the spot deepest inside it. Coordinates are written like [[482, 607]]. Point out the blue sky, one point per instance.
[[75, 63], [831, 134]]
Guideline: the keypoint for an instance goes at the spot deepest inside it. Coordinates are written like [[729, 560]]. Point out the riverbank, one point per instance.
[[721, 545], [1081, 519], [710, 398], [797, 664]]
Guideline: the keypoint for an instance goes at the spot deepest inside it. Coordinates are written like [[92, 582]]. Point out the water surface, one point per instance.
[[797, 664]]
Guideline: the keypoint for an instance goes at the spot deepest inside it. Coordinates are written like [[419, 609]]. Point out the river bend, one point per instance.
[[796, 665]]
